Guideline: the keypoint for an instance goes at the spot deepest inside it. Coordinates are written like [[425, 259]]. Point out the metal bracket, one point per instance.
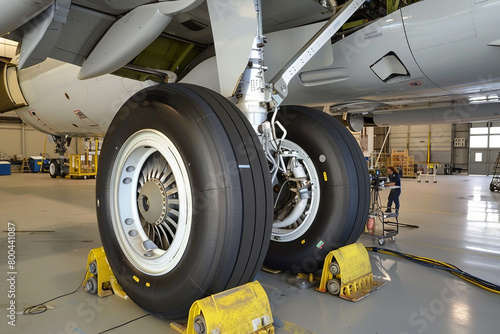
[[282, 79], [99, 273]]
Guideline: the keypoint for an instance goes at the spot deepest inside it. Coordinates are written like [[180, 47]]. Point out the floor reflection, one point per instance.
[[479, 210]]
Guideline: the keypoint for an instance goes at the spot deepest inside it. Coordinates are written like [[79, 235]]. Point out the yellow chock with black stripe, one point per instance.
[[244, 309], [347, 272], [100, 278]]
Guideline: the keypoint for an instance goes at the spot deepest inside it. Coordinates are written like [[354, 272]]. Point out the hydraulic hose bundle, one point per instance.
[[436, 264]]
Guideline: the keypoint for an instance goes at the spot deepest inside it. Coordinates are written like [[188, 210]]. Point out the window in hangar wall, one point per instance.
[[484, 147]]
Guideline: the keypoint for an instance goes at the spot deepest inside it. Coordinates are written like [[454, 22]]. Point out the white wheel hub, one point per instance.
[[151, 202], [297, 228]]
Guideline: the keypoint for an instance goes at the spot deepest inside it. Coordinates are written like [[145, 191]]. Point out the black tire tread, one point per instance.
[[242, 255], [319, 131]]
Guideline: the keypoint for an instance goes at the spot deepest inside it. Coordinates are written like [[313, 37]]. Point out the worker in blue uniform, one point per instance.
[[394, 180]]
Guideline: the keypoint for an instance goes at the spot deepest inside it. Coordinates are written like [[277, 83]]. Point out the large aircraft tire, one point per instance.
[[339, 196], [184, 201]]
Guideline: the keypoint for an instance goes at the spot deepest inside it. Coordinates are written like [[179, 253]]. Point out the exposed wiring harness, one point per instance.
[[436, 264]]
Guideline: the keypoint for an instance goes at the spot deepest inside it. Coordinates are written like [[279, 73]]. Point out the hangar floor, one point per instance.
[[458, 220]]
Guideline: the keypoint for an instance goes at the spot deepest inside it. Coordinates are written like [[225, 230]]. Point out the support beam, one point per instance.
[[292, 68]]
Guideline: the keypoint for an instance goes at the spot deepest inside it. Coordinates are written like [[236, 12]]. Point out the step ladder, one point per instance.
[[25, 167], [495, 182]]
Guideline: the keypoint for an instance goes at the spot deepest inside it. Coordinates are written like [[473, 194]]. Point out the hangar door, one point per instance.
[[484, 147]]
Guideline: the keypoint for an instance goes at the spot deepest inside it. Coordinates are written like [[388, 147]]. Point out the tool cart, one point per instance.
[[381, 224]]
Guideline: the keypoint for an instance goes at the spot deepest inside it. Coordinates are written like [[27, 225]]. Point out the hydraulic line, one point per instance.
[[436, 264]]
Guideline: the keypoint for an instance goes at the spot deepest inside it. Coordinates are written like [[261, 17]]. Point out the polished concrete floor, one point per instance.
[[458, 220]]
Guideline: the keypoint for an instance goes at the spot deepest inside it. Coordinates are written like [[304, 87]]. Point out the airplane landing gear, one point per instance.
[[184, 193], [60, 167], [184, 201], [337, 188]]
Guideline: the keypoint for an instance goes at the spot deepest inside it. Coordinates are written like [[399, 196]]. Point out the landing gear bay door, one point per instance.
[[234, 25]]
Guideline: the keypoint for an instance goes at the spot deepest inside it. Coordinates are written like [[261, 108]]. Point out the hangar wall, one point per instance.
[[461, 148], [415, 139], [21, 139]]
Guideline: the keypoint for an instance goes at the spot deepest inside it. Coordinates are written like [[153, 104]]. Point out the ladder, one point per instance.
[[495, 182], [25, 167]]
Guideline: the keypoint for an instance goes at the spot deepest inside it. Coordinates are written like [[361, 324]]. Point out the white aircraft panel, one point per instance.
[[234, 25], [450, 43]]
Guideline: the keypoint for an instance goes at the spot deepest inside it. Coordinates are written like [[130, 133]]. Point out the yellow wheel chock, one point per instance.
[[244, 309], [347, 272], [99, 278]]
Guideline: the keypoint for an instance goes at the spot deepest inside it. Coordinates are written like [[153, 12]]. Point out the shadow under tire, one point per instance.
[[184, 202], [344, 190]]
